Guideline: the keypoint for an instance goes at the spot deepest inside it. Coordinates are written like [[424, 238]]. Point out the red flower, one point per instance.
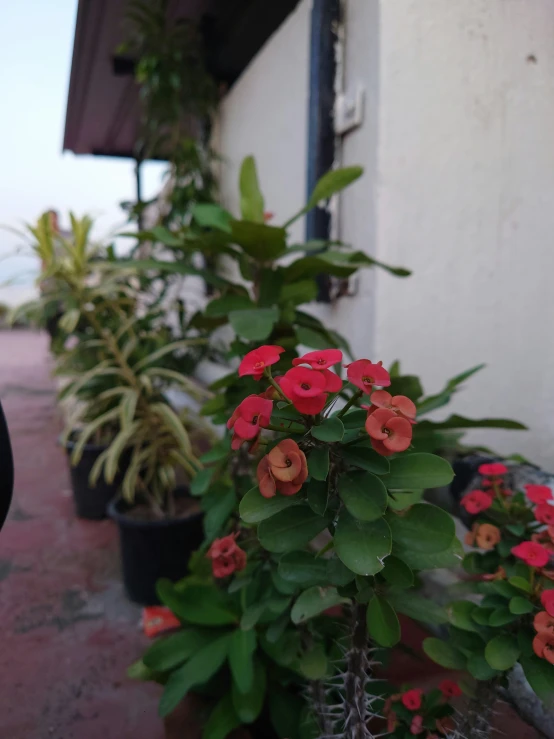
[[389, 433], [249, 418], [476, 501], [545, 514], [547, 600], [306, 389], [283, 469], [543, 623], [450, 689], [538, 493], [411, 699], [492, 469], [226, 555], [416, 727], [543, 646], [320, 360], [400, 404], [364, 374], [255, 362], [533, 554], [334, 383]]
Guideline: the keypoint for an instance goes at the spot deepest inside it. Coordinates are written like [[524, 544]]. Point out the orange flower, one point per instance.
[[544, 624], [543, 646], [487, 536], [500, 574], [284, 469]]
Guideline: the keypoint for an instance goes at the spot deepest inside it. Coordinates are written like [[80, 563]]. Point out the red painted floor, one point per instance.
[[68, 633]]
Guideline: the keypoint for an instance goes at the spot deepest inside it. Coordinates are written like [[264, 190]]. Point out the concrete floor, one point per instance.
[[68, 633]]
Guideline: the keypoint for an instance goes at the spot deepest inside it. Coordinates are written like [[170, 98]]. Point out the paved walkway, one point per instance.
[[68, 633]]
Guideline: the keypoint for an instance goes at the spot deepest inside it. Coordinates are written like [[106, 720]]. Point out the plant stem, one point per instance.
[[276, 386], [356, 700], [354, 399], [475, 721]]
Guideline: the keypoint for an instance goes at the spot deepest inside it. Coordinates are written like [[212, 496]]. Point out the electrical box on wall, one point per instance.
[[349, 110]]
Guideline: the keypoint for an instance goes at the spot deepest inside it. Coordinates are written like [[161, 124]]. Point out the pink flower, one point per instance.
[[416, 727], [400, 404], [476, 501], [320, 360], [248, 419], [532, 553], [547, 600], [255, 362], [388, 432], [450, 689], [493, 469], [306, 389], [226, 555], [544, 513], [538, 493], [283, 469], [411, 699], [364, 374]]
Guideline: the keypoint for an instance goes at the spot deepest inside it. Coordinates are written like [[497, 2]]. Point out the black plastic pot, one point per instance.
[[92, 502], [151, 549]]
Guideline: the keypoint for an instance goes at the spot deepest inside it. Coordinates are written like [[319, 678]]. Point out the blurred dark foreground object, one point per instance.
[[6, 469]]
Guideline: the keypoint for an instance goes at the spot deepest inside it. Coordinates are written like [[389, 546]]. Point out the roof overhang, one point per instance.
[[103, 111]]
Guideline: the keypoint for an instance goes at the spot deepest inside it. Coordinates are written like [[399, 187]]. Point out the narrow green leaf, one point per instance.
[[171, 651], [382, 622], [332, 182], [249, 705], [223, 719], [241, 658], [197, 604], [318, 462], [318, 494], [251, 198]]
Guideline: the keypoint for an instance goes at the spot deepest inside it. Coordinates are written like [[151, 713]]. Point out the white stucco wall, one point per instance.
[[458, 148], [465, 198], [265, 115]]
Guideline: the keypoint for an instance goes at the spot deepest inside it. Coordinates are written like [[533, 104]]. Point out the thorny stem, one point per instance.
[[475, 721], [317, 697], [354, 399], [356, 706]]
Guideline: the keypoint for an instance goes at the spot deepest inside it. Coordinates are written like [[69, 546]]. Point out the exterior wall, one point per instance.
[[457, 148], [466, 186]]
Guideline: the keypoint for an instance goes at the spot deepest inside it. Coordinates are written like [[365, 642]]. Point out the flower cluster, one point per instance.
[[483, 535], [422, 715], [227, 557], [308, 386], [283, 469]]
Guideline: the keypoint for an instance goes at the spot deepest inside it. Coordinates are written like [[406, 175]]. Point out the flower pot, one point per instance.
[[154, 548], [92, 502]]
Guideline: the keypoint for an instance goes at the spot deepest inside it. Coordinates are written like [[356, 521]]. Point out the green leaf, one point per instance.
[[314, 601], [197, 604], [448, 558], [251, 198], [461, 422], [366, 459], [501, 617], [330, 430], [332, 182], [210, 215], [415, 471], [460, 615], [423, 528], [226, 303], [249, 705], [444, 654], [254, 508], [415, 606], [241, 651], [478, 666], [173, 650], [397, 573], [502, 652], [254, 325], [540, 675], [259, 240], [290, 529], [303, 291], [432, 402], [318, 462], [402, 499], [165, 236], [313, 663], [355, 419], [382, 622], [311, 338], [519, 605], [251, 616], [201, 481], [223, 719], [521, 583], [338, 573], [303, 569], [363, 494], [318, 495], [198, 670], [362, 545]]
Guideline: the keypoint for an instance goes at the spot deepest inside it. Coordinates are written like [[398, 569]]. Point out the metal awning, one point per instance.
[[103, 112]]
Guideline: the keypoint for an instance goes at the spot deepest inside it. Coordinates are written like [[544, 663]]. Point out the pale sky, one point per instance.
[[36, 43]]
